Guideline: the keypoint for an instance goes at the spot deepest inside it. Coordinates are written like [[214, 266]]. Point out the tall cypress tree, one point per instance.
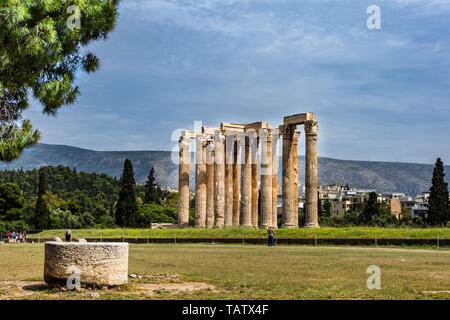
[[151, 189], [438, 204], [41, 212], [127, 211]]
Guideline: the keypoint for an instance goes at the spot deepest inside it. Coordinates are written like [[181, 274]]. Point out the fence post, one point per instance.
[[276, 239], [438, 240], [147, 239], [243, 238], [175, 239], [376, 243], [123, 238], [315, 240]]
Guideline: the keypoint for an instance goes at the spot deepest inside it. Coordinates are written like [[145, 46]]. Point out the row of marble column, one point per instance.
[[226, 178]]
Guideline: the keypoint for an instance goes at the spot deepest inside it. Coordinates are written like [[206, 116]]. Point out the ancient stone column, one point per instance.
[[236, 180], [210, 159], [183, 182], [275, 138], [288, 176], [246, 183], [254, 152], [295, 177], [229, 179], [266, 177], [311, 184], [219, 180], [200, 181]]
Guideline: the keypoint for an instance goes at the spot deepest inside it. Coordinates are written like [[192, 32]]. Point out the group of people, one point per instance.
[[17, 236]]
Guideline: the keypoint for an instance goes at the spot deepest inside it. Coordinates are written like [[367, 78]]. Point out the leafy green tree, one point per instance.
[[41, 52], [327, 211], [154, 213], [127, 210], [151, 189], [11, 201], [106, 222], [41, 211], [371, 208], [13, 140], [319, 205], [438, 204]]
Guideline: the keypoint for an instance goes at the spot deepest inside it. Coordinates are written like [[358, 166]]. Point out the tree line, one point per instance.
[[60, 197]]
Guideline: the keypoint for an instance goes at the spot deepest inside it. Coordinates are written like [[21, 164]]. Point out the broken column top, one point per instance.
[[209, 130], [189, 134], [299, 118]]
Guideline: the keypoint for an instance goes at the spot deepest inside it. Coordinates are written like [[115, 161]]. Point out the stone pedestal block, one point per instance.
[[100, 264]]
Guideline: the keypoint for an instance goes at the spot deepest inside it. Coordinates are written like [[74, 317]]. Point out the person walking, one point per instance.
[[270, 233], [68, 235]]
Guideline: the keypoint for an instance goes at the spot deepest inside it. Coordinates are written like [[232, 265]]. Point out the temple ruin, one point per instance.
[[226, 174]]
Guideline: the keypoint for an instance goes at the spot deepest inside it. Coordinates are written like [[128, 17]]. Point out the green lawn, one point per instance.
[[248, 272], [351, 232]]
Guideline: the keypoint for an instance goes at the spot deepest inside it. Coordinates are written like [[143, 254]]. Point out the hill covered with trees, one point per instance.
[[71, 199], [410, 178]]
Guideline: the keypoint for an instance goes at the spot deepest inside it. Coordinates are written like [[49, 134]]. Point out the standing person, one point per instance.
[[9, 235], [270, 233], [68, 235], [24, 236]]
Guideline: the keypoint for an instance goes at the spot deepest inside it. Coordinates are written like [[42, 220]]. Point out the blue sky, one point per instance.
[[378, 94]]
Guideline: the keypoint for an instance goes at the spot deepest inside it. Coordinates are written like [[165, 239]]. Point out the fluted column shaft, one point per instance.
[[275, 179], [246, 184], [200, 181], [254, 151], [229, 179], [183, 182], [288, 177], [219, 179], [210, 154], [295, 177], [311, 183], [266, 178], [236, 181]]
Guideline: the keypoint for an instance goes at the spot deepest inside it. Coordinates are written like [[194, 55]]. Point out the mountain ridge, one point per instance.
[[384, 176]]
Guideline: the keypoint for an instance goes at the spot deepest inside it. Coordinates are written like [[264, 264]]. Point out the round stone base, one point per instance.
[[98, 263], [312, 225]]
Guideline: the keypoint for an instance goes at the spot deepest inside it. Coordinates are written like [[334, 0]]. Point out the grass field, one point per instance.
[[353, 232], [245, 272]]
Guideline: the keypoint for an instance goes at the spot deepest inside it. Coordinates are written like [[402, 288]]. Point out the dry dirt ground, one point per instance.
[[142, 286]]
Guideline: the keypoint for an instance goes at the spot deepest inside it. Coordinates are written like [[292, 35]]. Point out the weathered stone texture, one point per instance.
[[101, 264]]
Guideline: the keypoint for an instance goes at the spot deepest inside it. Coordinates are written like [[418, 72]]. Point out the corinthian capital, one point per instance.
[[287, 131], [311, 127]]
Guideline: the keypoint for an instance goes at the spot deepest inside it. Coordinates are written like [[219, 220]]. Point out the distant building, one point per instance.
[[396, 207], [339, 208], [420, 205]]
